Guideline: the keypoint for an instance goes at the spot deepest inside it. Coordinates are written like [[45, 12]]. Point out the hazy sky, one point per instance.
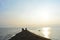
[[29, 12]]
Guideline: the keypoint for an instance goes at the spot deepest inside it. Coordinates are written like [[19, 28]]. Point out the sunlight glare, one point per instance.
[[45, 15], [46, 32]]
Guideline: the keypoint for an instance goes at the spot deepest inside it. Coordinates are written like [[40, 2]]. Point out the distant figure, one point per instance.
[[25, 28], [38, 30], [22, 29]]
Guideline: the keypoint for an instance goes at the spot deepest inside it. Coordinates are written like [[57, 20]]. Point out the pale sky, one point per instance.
[[29, 12]]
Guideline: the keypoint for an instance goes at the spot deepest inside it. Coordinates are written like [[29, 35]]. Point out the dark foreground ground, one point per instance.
[[27, 35]]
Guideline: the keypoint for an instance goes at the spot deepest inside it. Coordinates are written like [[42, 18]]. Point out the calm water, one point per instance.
[[48, 32]]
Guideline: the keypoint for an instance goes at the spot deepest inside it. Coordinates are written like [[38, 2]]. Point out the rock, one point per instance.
[[27, 35]]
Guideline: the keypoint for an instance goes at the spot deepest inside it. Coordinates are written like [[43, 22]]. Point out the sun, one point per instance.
[[39, 17], [45, 15]]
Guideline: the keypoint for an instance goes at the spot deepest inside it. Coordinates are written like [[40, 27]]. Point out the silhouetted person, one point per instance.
[[38, 30], [26, 29], [22, 29]]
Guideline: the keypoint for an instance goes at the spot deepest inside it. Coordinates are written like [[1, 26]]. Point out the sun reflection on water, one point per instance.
[[46, 32]]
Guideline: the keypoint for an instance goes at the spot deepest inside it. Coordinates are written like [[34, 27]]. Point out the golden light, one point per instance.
[[45, 15], [37, 17], [46, 32]]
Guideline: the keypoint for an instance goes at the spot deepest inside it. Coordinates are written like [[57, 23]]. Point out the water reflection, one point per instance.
[[46, 32]]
